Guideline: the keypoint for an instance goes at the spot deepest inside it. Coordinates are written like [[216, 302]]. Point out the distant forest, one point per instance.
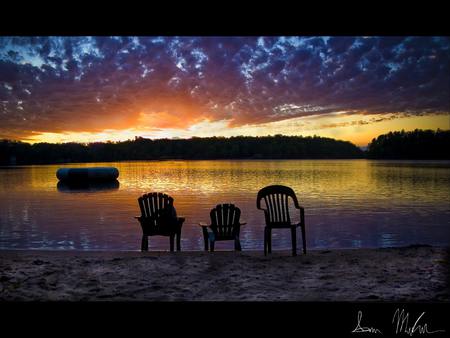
[[418, 144], [240, 147]]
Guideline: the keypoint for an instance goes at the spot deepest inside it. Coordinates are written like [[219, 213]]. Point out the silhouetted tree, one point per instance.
[[239, 147], [417, 144]]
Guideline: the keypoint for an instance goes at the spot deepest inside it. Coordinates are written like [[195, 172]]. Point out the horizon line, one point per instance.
[[222, 137]]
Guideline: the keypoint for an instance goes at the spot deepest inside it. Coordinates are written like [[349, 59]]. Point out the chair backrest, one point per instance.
[[276, 209], [156, 207], [225, 220]]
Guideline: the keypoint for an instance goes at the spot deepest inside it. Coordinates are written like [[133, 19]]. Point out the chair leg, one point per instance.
[[205, 238], [237, 244], [211, 245], [294, 241], [179, 241], [171, 242], [269, 240], [144, 243], [265, 241], [304, 239]]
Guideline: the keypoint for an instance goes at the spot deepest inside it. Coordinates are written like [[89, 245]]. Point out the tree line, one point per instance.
[[239, 147], [417, 144]]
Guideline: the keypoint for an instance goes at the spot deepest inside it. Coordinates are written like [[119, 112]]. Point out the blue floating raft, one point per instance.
[[87, 174]]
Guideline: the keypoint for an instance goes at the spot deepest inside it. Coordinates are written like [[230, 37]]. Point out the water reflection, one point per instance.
[[87, 186], [351, 203]]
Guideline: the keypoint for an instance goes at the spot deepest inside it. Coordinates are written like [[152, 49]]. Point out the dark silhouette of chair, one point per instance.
[[276, 213], [225, 225], [158, 217]]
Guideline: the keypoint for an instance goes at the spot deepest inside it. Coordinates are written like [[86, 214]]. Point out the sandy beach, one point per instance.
[[415, 273]]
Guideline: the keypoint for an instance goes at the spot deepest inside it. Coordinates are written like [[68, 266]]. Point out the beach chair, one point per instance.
[[158, 217], [225, 225], [276, 212]]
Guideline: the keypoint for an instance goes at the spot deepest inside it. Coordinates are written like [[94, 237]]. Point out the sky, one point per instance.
[[88, 89]]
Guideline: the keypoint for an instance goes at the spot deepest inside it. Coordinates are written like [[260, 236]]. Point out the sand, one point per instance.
[[416, 273]]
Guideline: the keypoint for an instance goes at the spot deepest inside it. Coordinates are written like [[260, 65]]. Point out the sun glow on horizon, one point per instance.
[[359, 129], [98, 89]]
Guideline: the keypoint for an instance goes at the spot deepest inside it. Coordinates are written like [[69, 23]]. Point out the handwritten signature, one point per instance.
[[400, 320], [360, 329], [403, 321]]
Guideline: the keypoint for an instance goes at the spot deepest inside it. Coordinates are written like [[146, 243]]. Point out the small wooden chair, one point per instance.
[[158, 217], [276, 213], [225, 225]]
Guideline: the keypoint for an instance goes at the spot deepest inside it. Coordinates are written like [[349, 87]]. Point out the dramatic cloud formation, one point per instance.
[[149, 85]]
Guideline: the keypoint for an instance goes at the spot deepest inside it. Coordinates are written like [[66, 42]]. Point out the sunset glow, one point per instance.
[[359, 131], [88, 89]]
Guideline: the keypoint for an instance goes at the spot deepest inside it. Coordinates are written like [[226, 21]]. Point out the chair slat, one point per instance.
[[220, 219], [141, 207], [270, 208], [160, 200], [225, 213], [288, 218], [150, 207], [231, 223], [275, 211], [279, 211], [146, 207]]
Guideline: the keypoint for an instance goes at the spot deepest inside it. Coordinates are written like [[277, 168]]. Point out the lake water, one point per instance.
[[348, 203]]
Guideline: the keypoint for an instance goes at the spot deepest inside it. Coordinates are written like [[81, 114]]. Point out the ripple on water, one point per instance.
[[348, 203]]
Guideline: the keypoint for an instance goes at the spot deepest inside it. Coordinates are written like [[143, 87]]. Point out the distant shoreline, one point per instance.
[[401, 145]]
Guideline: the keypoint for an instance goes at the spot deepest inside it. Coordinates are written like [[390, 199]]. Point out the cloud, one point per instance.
[[91, 84]]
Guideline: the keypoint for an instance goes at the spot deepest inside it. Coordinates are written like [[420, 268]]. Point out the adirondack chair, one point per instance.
[[158, 217], [225, 225], [276, 214]]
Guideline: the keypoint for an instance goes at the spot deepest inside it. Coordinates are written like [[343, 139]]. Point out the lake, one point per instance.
[[348, 203]]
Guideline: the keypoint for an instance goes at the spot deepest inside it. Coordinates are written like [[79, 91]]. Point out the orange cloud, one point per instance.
[[153, 86]]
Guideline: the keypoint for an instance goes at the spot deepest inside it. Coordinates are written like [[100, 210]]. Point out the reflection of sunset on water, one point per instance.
[[348, 203]]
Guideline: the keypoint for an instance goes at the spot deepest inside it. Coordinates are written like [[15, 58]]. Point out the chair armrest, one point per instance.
[[242, 223], [203, 224], [138, 217]]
